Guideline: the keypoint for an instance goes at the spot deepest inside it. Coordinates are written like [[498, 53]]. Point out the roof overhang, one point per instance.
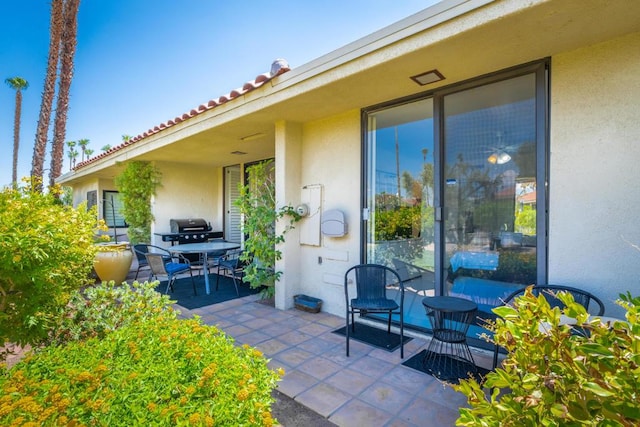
[[462, 39]]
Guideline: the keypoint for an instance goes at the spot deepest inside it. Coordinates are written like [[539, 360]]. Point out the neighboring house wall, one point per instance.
[[595, 147], [80, 191], [187, 191]]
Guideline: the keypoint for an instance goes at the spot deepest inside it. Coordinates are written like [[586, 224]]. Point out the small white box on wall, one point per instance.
[[309, 226], [333, 223]]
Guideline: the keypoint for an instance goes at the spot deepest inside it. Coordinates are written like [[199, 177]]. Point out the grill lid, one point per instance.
[[190, 225]]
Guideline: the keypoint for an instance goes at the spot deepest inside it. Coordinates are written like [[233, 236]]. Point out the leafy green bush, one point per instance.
[[559, 375], [46, 251], [158, 371], [96, 310], [257, 202], [137, 184]]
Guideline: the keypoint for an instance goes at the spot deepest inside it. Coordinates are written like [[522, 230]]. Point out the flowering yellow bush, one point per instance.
[[46, 251], [160, 371]]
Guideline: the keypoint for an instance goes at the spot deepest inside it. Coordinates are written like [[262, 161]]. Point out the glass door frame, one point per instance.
[[542, 77]]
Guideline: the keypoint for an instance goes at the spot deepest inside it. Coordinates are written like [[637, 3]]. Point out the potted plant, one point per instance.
[[113, 259]]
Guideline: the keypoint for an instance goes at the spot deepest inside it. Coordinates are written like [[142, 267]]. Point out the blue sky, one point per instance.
[[141, 62]]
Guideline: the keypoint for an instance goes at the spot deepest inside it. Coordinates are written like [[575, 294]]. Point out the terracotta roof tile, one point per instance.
[[278, 67]]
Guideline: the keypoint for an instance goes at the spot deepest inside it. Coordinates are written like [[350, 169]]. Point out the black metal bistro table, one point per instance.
[[448, 356], [204, 248]]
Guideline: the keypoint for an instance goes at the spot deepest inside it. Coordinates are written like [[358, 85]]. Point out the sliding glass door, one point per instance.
[[490, 191], [400, 183], [452, 190]]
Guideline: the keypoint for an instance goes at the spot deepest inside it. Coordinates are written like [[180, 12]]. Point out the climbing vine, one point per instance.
[[137, 184]]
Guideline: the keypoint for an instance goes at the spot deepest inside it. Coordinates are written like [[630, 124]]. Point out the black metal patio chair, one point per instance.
[[590, 302], [372, 281], [231, 264], [141, 250]]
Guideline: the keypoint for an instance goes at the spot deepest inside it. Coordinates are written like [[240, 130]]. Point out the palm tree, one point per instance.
[[106, 148], [44, 119], [72, 153], [19, 84], [82, 143], [88, 152], [67, 52]]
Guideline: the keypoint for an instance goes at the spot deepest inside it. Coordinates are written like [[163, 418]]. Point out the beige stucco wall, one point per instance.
[[80, 191], [330, 158], [595, 174], [187, 191]]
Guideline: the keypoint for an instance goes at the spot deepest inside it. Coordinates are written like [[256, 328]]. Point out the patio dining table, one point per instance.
[[205, 249]]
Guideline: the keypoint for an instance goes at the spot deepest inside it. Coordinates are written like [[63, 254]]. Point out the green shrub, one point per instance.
[[46, 251], [558, 375], [257, 202], [155, 372], [137, 184], [98, 309]]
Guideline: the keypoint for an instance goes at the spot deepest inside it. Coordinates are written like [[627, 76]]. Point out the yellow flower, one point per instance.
[[242, 395], [209, 422], [194, 418], [151, 406], [84, 376]]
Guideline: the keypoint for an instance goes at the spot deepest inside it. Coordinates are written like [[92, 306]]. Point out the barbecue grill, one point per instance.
[[191, 230]]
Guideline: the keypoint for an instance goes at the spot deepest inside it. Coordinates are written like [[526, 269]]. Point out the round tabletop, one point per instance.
[[449, 304]]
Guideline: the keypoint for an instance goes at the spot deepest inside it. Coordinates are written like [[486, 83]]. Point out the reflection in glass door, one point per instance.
[[463, 222], [489, 192], [400, 228]]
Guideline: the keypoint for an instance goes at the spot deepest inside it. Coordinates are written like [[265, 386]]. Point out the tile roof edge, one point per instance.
[[278, 67]]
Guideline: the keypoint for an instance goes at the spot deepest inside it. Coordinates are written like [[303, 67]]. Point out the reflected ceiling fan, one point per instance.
[[499, 154]]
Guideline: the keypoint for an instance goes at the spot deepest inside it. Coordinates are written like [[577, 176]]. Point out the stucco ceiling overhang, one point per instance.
[[483, 37]]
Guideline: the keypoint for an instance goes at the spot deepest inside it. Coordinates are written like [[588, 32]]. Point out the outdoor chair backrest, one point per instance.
[[156, 263], [582, 297], [372, 280], [142, 249]]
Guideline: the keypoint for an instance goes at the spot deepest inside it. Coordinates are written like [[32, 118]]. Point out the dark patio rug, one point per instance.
[[373, 336], [445, 368], [183, 291]]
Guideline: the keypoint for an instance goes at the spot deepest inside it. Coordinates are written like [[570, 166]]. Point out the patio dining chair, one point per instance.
[[372, 281], [590, 302], [160, 268], [231, 264], [141, 250]]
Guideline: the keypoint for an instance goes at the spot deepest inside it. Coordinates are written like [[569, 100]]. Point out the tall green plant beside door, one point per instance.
[[257, 203], [136, 184]]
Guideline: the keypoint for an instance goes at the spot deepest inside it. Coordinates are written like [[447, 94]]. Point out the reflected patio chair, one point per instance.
[[372, 281], [590, 302], [160, 268], [231, 264], [415, 279]]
